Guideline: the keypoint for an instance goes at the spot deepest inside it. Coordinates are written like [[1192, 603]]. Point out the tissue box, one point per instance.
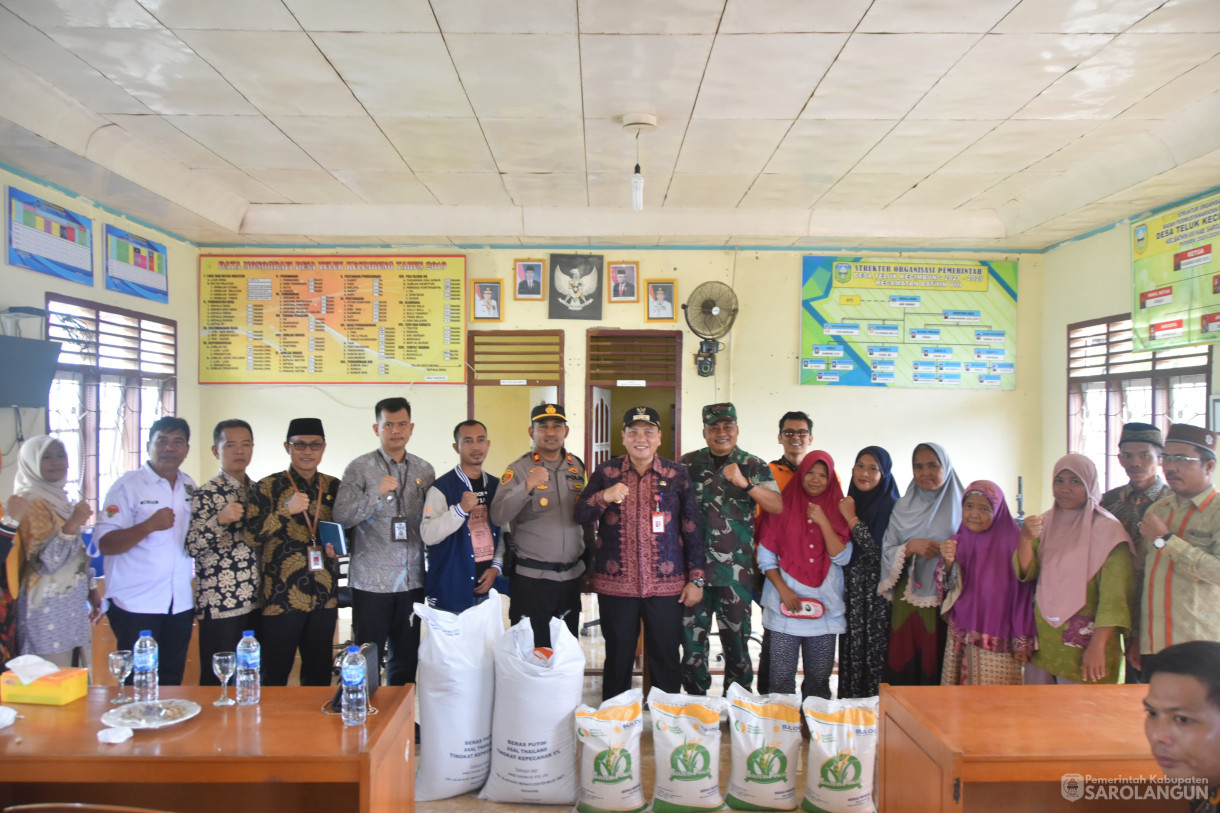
[[58, 689]]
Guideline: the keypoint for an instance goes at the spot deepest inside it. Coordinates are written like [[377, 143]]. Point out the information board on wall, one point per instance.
[[350, 319], [136, 265], [1176, 276], [888, 322], [49, 239]]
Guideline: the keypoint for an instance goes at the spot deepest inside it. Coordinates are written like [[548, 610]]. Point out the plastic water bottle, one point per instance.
[[144, 668], [249, 659], [355, 690]]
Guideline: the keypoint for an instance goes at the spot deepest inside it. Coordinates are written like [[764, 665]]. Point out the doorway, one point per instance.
[[625, 369]]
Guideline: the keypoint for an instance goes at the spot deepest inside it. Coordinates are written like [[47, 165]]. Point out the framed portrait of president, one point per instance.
[[530, 278]]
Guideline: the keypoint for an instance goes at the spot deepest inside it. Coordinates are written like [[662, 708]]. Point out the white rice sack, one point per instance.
[[842, 753], [456, 684], [686, 743], [610, 772], [533, 737], [765, 733]]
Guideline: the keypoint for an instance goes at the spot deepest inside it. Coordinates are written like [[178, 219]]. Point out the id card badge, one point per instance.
[[315, 557], [658, 523], [399, 526]]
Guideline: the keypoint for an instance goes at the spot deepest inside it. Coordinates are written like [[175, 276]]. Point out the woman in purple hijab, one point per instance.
[[990, 613]]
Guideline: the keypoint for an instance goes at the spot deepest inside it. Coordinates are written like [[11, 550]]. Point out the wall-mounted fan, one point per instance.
[[710, 311]]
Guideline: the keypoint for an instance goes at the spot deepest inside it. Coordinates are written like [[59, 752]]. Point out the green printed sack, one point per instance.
[[842, 753], [765, 733], [610, 770], [686, 744]]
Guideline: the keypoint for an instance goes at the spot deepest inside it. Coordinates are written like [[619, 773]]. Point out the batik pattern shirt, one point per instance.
[[728, 515], [1128, 505], [288, 583], [227, 570]]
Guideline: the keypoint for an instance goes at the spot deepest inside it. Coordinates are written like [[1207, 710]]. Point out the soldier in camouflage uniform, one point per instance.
[[728, 484]]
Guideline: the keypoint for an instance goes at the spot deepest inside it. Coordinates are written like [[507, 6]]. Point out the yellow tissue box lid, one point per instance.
[[58, 689]]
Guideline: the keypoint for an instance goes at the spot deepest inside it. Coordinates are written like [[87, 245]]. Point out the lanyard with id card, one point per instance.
[[398, 525], [658, 517], [314, 550]]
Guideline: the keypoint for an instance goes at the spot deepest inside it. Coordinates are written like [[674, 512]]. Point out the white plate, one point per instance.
[[158, 714]]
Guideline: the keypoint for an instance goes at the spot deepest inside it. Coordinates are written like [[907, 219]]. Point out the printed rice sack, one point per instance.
[[533, 736], [610, 772], [765, 734], [842, 753], [686, 744], [456, 684]]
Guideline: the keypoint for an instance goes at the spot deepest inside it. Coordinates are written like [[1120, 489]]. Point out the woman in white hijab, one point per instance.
[[52, 608], [927, 514]]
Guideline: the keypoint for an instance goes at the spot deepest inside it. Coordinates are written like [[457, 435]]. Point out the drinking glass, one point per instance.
[[224, 664], [120, 667]]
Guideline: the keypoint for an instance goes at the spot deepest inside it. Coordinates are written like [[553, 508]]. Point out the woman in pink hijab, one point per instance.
[[1081, 559]]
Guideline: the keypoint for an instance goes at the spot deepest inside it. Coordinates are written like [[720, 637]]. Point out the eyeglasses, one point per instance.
[[1178, 459], [312, 445], [795, 433]]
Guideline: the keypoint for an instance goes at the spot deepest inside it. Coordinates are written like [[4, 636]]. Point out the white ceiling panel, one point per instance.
[[729, 147], [791, 16], [649, 16], [546, 189], [280, 72], [496, 17], [306, 185], [242, 184], [36, 52], [226, 15], [155, 67], [922, 146], [170, 141], [82, 13], [764, 76], [519, 76], [1122, 73], [906, 65], [341, 142], [642, 74], [527, 145], [1190, 87], [1001, 73], [931, 16], [787, 190], [247, 142], [426, 83], [554, 243], [1104, 136], [611, 148], [382, 188], [440, 145], [826, 147], [367, 15], [1182, 17], [1008, 189], [691, 240], [466, 188], [689, 189], [942, 191], [868, 190], [1060, 17], [1015, 145]]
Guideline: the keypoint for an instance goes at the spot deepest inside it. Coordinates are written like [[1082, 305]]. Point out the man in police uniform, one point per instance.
[[537, 496]]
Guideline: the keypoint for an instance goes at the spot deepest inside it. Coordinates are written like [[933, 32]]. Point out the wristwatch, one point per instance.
[[749, 486], [698, 582], [1160, 541], [10, 523]]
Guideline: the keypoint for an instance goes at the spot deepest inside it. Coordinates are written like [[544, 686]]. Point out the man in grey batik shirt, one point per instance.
[[381, 501]]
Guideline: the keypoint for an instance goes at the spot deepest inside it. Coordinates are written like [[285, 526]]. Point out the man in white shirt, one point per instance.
[[141, 533]]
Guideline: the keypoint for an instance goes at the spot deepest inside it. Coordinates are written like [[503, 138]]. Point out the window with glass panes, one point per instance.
[[117, 375], [1111, 383]]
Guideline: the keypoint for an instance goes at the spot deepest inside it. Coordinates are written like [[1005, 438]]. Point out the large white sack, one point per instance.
[[842, 754], [533, 754], [611, 777], [456, 685], [765, 732], [686, 744]]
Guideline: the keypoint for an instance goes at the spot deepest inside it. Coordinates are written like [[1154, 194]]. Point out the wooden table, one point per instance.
[[283, 754], [1007, 748]]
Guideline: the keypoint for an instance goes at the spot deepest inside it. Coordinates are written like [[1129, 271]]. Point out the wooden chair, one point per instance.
[[76, 807]]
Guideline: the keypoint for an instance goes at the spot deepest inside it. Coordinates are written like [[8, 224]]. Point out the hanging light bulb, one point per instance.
[[637, 180]]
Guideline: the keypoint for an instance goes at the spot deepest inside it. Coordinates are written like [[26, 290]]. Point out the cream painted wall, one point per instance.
[[20, 286]]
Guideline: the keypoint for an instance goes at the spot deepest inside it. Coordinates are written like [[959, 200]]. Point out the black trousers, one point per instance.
[[385, 619], [222, 635], [311, 633], [541, 600], [172, 633], [620, 618]]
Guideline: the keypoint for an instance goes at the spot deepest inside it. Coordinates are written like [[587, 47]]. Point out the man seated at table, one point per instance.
[[1183, 722]]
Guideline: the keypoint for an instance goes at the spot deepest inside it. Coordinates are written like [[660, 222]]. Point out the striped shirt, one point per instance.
[[1181, 599]]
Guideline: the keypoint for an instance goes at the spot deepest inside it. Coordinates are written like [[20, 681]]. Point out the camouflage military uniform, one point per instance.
[[728, 531]]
